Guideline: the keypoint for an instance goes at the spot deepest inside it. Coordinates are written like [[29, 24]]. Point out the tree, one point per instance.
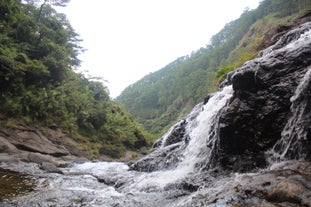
[[60, 3]]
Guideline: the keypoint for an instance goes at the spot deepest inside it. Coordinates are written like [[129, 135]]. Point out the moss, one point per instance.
[[14, 184]]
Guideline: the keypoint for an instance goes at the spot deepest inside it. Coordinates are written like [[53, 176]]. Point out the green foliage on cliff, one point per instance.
[[38, 85], [160, 98]]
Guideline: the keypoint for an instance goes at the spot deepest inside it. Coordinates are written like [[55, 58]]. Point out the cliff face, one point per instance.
[[259, 122], [260, 108]]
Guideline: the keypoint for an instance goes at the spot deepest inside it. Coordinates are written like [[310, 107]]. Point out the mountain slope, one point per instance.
[[160, 98]]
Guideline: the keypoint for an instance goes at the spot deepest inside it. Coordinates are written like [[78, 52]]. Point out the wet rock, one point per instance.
[[184, 186], [244, 81], [177, 134], [50, 167], [252, 121], [285, 192], [296, 136], [260, 107], [284, 185], [173, 136], [38, 158], [163, 158]]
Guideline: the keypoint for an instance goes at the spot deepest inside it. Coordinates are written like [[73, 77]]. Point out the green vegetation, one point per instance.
[[38, 84], [162, 97]]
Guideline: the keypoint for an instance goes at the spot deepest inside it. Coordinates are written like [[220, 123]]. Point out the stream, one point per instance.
[[183, 168], [105, 184], [111, 184]]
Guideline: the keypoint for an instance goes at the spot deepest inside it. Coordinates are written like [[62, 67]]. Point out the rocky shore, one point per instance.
[[49, 148]]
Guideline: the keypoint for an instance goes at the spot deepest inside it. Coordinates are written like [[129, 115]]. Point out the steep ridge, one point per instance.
[[161, 98]]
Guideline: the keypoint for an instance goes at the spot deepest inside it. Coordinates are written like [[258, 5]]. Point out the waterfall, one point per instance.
[[196, 148], [202, 132], [292, 144]]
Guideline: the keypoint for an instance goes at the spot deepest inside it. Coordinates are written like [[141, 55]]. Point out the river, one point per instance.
[[181, 170]]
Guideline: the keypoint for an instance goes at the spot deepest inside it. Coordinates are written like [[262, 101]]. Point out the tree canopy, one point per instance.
[[39, 85]]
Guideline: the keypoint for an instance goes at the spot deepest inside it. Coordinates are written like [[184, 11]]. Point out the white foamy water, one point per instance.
[[201, 130], [303, 40], [99, 168]]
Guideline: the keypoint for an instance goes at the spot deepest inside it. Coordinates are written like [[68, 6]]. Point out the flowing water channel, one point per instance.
[[181, 183], [113, 184]]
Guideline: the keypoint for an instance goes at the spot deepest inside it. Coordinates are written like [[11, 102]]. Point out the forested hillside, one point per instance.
[[162, 97], [39, 86]]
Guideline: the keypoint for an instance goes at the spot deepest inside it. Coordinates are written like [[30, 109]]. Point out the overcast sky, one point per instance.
[[128, 39]]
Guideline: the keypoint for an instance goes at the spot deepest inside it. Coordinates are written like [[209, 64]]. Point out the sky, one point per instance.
[[128, 39]]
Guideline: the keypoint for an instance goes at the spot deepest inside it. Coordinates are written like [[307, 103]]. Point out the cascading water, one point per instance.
[[201, 132], [297, 131], [197, 144]]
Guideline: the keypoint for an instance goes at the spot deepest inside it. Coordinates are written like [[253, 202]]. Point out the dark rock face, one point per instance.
[[296, 136], [260, 107], [175, 135]]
